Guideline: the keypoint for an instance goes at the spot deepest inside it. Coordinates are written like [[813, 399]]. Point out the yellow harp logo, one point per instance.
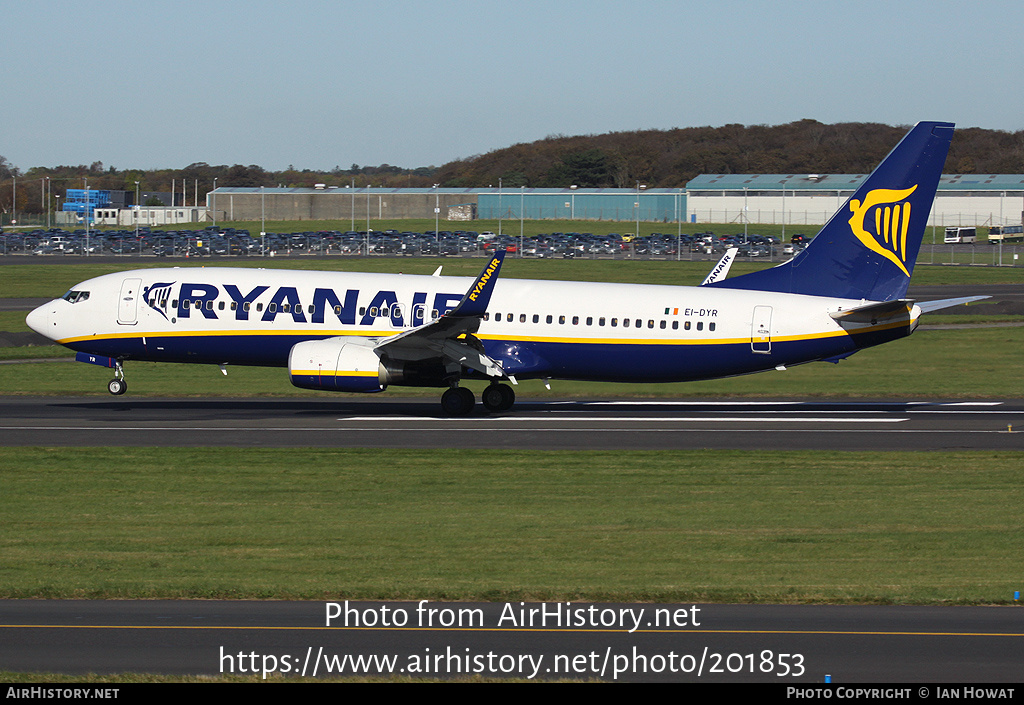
[[891, 216]]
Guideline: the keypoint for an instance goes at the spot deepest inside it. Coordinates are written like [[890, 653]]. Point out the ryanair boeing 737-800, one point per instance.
[[358, 332]]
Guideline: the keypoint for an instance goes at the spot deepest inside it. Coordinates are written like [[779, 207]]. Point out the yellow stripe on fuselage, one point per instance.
[[493, 337]]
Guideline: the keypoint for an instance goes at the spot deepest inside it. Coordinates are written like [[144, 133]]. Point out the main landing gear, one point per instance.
[[459, 401], [498, 397], [118, 385]]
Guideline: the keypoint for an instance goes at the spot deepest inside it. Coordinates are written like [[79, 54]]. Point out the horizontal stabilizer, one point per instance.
[[940, 304], [870, 313]]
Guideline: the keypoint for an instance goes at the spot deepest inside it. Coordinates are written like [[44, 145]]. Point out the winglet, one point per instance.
[[721, 270], [474, 303]]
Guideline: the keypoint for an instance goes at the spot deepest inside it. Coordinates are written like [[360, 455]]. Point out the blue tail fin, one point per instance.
[[867, 250]]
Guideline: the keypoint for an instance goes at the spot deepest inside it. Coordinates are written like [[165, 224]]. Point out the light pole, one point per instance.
[[679, 225], [87, 214], [437, 216], [744, 215], [48, 202], [137, 211], [263, 221], [214, 194], [639, 186], [522, 203]]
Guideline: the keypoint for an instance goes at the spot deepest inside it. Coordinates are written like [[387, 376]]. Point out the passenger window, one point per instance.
[[246, 306], [373, 312], [286, 308], [550, 319], [700, 325], [686, 326], [650, 323], [575, 320], [561, 320], [522, 318], [536, 318], [711, 326], [600, 321], [259, 307], [662, 326], [590, 320], [220, 305], [272, 308], [675, 325], [487, 316], [508, 317], [625, 323]]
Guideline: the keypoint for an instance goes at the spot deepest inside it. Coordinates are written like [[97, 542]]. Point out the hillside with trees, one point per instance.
[[656, 158]]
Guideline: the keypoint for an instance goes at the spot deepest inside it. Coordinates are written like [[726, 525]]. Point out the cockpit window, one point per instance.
[[75, 296]]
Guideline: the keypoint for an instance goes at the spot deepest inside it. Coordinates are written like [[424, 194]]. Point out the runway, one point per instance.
[[780, 644], [620, 424]]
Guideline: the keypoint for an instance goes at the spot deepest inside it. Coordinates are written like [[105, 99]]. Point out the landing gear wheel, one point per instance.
[[117, 387], [457, 401], [498, 397]]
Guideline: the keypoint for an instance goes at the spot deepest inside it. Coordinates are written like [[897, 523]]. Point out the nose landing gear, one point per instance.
[[118, 385]]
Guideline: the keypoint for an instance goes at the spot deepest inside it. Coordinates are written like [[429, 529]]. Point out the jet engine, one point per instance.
[[337, 364]]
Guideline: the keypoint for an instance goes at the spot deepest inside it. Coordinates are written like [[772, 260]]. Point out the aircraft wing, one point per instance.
[[450, 336]]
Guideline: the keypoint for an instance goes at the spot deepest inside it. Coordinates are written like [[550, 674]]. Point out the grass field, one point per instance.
[[661, 526]]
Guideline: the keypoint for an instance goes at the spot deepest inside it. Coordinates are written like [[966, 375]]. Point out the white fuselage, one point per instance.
[[557, 329]]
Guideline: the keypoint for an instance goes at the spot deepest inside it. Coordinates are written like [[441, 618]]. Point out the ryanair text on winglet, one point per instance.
[[484, 278]]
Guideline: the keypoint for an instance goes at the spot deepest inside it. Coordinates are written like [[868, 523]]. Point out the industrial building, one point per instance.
[[798, 199]]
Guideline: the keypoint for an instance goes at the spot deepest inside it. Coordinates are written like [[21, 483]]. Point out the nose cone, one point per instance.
[[39, 320]]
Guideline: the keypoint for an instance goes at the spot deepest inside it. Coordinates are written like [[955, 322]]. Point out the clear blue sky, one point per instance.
[[319, 84]]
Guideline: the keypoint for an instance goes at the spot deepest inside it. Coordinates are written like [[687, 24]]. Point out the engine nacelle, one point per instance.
[[338, 365]]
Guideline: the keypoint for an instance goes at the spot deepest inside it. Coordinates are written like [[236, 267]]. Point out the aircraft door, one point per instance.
[[761, 330], [128, 302]]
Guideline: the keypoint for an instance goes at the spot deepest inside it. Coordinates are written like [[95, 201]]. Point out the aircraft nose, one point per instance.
[[39, 320]]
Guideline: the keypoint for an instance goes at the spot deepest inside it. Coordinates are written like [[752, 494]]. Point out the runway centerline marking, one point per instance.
[[642, 419], [211, 627]]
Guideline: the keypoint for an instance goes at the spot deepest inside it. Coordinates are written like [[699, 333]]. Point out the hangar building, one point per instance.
[[798, 199]]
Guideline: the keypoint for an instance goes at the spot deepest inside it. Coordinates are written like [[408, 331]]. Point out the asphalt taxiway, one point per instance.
[[781, 644], [618, 424]]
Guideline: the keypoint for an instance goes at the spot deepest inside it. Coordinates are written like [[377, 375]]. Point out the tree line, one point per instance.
[[655, 158]]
